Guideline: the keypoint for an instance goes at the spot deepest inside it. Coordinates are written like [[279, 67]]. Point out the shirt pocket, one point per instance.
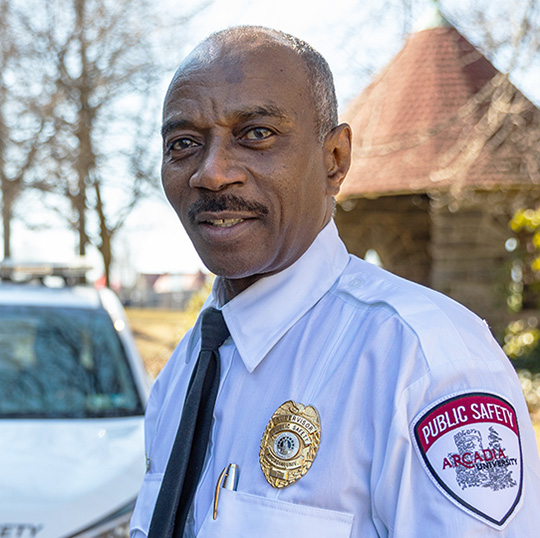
[[243, 515], [144, 508]]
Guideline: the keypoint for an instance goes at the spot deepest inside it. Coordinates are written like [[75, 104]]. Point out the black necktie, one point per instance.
[[189, 448]]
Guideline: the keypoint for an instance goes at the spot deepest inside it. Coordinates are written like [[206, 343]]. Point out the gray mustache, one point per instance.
[[224, 202]]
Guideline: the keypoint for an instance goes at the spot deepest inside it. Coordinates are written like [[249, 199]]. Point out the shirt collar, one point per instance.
[[258, 317]]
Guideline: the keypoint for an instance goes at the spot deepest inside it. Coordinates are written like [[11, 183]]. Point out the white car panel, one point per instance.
[[67, 477], [62, 476]]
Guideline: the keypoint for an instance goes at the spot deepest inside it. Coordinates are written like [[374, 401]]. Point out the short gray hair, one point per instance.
[[321, 81]]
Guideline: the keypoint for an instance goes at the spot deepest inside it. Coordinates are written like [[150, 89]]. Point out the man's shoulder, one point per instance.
[[371, 284], [434, 318]]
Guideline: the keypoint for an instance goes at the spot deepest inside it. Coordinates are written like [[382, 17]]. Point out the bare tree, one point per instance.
[[98, 68], [514, 47], [21, 131], [100, 60], [8, 185]]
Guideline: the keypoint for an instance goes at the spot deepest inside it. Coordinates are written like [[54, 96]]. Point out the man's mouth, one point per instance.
[[212, 205], [223, 223]]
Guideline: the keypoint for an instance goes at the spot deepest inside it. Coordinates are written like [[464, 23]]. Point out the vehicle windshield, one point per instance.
[[63, 363]]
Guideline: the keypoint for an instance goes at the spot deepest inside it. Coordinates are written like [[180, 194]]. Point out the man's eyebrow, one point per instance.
[[171, 125], [261, 111]]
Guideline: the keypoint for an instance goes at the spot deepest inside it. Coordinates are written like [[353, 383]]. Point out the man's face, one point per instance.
[[242, 163]]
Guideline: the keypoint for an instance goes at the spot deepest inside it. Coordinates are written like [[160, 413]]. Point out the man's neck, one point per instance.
[[235, 286]]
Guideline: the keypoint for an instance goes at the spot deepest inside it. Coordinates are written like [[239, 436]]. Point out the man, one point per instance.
[[352, 403]]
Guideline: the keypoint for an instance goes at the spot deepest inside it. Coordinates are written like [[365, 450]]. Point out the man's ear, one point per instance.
[[337, 155]]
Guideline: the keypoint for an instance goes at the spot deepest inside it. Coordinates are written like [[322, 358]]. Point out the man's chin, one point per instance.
[[230, 273]]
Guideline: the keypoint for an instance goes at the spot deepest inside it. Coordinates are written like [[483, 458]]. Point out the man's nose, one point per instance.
[[218, 167]]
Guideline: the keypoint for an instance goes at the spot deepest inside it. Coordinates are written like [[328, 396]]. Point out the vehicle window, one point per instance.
[[63, 362]]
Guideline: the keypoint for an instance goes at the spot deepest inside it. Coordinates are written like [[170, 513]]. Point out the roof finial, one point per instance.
[[432, 18]]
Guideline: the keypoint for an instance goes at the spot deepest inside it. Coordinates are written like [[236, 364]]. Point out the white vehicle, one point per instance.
[[72, 396]]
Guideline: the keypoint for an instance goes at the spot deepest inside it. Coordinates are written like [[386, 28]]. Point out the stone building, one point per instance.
[[442, 157]]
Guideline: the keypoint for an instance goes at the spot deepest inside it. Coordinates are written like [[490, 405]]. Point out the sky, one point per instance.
[[153, 240]]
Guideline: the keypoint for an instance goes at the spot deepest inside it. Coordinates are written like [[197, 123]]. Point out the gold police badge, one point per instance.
[[289, 443]]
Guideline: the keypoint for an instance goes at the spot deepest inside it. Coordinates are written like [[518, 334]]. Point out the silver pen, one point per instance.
[[231, 477], [228, 479]]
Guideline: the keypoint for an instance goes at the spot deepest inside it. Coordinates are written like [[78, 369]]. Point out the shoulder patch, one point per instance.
[[470, 446]]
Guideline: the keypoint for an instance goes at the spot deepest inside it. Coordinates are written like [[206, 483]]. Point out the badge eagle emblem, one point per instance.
[[289, 443]]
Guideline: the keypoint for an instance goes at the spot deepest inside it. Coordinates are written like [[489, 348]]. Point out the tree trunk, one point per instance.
[[6, 221], [85, 159], [105, 235]]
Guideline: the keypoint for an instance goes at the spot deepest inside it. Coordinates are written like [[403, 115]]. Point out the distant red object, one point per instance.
[[415, 122], [101, 282]]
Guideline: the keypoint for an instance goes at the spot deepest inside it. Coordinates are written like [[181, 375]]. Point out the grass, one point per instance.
[[156, 333]]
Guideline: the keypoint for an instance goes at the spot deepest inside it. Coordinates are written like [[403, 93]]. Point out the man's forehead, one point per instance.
[[260, 75], [240, 80], [237, 58]]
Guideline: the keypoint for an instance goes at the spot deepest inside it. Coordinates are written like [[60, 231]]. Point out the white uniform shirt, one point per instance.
[[372, 353]]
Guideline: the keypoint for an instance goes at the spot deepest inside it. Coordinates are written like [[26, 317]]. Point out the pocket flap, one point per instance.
[[243, 516]]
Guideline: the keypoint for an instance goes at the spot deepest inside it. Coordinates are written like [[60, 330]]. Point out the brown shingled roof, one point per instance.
[[425, 123]]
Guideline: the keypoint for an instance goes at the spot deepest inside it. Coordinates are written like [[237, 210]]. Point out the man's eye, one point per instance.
[[258, 133], [181, 144]]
